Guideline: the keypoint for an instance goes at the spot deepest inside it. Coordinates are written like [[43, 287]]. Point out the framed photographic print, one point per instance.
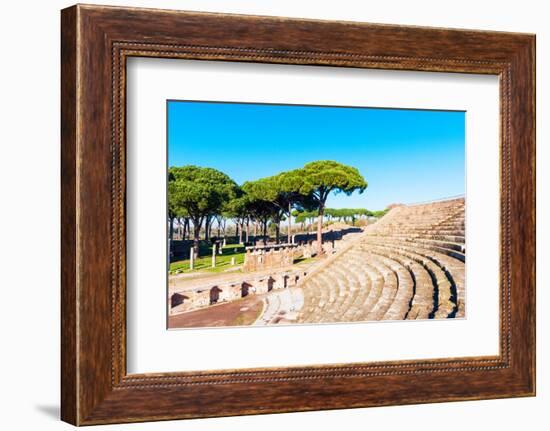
[[267, 215]]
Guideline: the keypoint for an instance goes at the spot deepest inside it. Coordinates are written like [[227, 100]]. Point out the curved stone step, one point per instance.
[[409, 265], [421, 303], [442, 267]]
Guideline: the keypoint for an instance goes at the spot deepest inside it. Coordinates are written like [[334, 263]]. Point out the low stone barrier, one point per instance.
[[213, 293]]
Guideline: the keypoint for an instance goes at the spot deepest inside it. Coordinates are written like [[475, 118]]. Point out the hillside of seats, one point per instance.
[[408, 265]]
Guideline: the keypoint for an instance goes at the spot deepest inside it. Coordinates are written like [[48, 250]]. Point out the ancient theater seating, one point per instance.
[[408, 265]]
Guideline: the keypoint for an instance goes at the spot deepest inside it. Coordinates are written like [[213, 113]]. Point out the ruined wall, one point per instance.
[[268, 257], [215, 293]]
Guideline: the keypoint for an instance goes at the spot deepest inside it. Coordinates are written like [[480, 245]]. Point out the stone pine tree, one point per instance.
[[262, 209], [282, 197], [201, 192], [240, 210], [347, 213], [320, 178]]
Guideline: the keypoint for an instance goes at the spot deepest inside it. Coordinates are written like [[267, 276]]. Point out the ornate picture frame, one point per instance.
[[96, 42]]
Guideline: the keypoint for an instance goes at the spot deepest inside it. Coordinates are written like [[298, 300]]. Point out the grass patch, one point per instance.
[[303, 260], [204, 263]]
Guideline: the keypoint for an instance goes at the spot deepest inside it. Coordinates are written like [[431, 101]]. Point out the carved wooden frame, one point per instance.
[[96, 41]]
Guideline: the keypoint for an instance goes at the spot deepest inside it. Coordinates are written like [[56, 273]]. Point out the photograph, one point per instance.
[[289, 214]]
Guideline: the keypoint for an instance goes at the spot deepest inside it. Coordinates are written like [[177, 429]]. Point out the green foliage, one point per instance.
[[304, 216], [197, 192], [347, 214], [273, 196], [239, 207], [318, 179], [342, 214], [380, 213], [260, 207]]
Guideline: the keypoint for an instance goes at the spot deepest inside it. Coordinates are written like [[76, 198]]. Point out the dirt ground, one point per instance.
[[237, 313]]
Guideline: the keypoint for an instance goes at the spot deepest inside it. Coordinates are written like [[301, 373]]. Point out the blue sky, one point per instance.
[[406, 156]]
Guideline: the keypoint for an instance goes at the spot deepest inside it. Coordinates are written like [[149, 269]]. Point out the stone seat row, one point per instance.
[[410, 265], [365, 286], [451, 267]]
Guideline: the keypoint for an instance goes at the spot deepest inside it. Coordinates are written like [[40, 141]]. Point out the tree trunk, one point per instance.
[[207, 228], [289, 233], [240, 229], [277, 231], [255, 234], [247, 231], [265, 232], [320, 231], [196, 235], [171, 234]]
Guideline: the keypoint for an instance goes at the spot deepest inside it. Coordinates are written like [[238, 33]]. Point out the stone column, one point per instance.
[[192, 259], [247, 260], [213, 255]]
